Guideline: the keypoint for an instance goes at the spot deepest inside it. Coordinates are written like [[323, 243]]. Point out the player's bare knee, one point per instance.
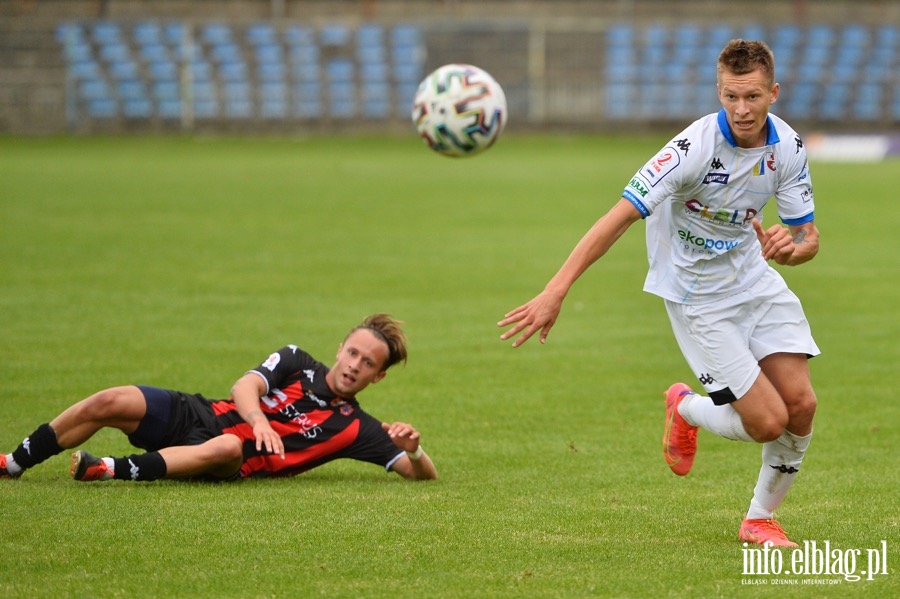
[[224, 449], [767, 429], [804, 405]]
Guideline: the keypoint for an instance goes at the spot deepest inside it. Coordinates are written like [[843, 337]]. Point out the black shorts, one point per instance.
[[174, 418]]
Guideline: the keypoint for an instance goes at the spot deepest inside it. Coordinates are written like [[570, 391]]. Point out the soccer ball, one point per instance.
[[459, 110]]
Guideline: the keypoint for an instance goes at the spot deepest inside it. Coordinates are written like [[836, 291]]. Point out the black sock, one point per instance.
[[37, 447], [140, 466]]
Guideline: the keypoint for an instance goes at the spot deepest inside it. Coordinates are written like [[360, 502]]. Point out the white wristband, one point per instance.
[[416, 455]]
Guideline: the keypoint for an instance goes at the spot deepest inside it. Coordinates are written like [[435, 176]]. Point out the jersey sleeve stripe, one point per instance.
[[796, 222], [628, 195]]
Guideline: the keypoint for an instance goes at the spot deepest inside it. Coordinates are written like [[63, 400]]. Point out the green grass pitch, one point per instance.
[[182, 262]]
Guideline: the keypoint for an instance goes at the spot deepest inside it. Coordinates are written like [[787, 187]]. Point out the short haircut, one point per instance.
[[390, 331], [741, 57]]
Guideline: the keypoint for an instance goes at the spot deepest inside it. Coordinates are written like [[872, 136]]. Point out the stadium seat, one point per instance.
[[201, 70], [369, 35], [273, 102], [206, 105], [854, 36], [102, 108], [408, 73], [620, 72], [124, 70], [166, 90], [114, 52], [719, 35], [810, 72], [800, 100], [84, 69], [376, 108], [106, 32], [237, 100], [341, 93], [819, 36], [868, 103], [619, 101], [261, 33], [137, 108], [299, 35], [407, 56], [226, 52], [271, 72], [405, 93], [334, 35], [147, 32], [162, 70], [94, 89], [678, 99], [339, 70], [216, 34], [233, 72], [307, 100], [834, 102], [375, 97], [304, 55], [169, 109], [174, 33], [304, 73], [69, 32], [135, 100], [620, 35], [754, 31], [844, 72], [78, 52], [205, 109], [373, 72], [153, 52]]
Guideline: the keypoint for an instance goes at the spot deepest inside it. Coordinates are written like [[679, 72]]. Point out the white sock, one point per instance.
[[110, 464], [781, 460], [11, 465], [723, 420]]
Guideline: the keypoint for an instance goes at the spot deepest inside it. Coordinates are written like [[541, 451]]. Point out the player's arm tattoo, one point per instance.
[[800, 237]]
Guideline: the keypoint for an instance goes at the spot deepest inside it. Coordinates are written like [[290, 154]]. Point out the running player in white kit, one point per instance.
[[740, 328]]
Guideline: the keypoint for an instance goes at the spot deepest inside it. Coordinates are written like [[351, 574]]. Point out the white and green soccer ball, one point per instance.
[[459, 110]]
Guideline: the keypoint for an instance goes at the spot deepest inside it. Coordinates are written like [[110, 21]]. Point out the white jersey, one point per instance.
[[699, 195]]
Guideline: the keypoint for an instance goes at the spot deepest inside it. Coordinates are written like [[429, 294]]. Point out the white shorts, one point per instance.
[[723, 341]]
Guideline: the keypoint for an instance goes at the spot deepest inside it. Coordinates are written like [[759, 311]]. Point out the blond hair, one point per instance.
[[388, 330]]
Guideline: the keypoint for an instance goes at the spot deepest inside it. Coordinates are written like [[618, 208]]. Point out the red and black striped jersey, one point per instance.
[[315, 425]]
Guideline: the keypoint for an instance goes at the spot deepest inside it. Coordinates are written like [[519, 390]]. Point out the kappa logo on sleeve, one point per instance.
[[664, 163]]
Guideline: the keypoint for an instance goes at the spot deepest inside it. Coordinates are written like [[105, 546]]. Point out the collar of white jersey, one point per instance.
[[771, 133]]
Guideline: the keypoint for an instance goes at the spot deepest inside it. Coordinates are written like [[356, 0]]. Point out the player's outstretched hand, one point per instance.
[[403, 435], [267, 438], [776, 241], [539, 314]]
